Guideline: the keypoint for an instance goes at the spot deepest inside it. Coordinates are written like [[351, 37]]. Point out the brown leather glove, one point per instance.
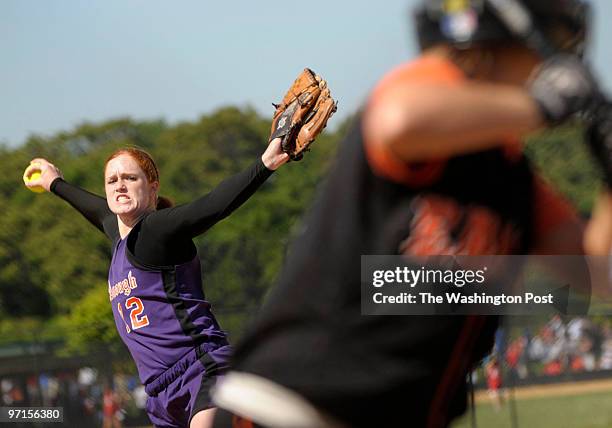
[[303, 113]]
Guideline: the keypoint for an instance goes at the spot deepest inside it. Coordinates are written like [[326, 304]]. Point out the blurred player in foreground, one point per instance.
[[432, 166], [154, 282]]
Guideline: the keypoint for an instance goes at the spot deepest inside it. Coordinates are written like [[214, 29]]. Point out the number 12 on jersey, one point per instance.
[[136, 308]]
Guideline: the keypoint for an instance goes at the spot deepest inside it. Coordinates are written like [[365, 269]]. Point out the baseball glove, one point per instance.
[[303, 113]]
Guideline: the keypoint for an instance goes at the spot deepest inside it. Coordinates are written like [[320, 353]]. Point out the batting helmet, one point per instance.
[[464, 22]]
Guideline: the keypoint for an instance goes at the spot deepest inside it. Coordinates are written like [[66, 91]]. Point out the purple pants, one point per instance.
[[184, 389]]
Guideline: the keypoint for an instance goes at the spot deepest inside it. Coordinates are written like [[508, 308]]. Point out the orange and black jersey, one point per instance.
[[549, 210], [310, 335]]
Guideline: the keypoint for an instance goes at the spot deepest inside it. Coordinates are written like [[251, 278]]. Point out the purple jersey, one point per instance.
[[161, 314]]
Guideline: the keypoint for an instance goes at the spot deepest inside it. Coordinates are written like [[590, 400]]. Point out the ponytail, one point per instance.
[[163, 202]]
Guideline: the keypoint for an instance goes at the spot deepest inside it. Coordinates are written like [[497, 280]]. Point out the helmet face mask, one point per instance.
[[569, 33], [465, 23]]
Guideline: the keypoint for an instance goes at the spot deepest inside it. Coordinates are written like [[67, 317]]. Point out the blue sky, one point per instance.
[[69, 61]]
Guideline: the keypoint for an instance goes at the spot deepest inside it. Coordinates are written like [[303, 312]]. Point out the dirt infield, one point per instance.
[[555, 390]]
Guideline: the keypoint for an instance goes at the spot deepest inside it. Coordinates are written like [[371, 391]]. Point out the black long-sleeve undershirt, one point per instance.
[[164, 237]]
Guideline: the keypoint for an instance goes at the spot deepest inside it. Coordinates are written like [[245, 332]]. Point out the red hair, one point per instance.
[[147, 164], [142, 158]]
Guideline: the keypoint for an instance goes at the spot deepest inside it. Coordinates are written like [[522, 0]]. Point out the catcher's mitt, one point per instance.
[[302, 114]]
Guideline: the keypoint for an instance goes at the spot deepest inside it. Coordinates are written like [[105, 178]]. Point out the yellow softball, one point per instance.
[[34, 175]]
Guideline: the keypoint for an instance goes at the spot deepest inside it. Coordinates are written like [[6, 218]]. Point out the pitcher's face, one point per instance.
[[128, 192]]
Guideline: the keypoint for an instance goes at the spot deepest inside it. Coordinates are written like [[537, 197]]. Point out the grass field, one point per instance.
[[568, 405], [580, 405]]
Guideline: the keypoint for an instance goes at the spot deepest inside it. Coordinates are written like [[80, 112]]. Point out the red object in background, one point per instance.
[[109, 406], [514, 353], [578, 364], [493, 375], [17, 395], [553, 368]]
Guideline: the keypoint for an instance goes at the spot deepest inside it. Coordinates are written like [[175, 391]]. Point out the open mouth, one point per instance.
[[121, 198]]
